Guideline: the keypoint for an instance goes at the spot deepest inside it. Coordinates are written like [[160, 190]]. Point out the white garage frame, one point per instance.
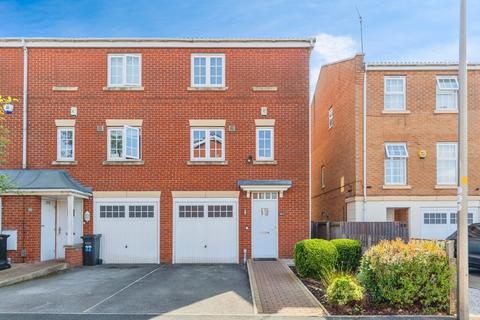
[[204, 201], [128, 201]]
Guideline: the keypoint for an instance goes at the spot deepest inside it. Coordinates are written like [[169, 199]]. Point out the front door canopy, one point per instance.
[[264, 185]]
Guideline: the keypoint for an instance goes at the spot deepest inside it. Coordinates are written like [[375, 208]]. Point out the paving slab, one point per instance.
[[277, 290]]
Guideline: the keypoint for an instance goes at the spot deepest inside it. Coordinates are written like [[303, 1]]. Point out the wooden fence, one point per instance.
[[369, 233]]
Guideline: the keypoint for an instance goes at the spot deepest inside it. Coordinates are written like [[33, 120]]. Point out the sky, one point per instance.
[[394, 30]]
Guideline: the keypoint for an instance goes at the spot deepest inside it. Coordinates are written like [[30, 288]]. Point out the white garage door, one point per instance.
[[205, 231], [129, 229], [439, 223]]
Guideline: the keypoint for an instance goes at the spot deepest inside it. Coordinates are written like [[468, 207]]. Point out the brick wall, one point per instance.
[[338, 87], [23, 214], [74, 256], [166, 106]]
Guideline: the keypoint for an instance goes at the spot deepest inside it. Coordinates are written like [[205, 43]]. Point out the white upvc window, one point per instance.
[[124, 70], [65, 144], [447, 164], [265, 144], [330, 117], [208, 70], [394, 93], [207, 144], [447, 88], [396, 155], [123, 143]]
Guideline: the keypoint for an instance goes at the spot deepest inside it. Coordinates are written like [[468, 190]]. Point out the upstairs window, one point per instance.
[[124, 70], [265, 144], [447, 88], [66, 144], [207, 144], [394, 93], [396, 155], [330, 117], [447, 163], [123, 143], [208, 70]]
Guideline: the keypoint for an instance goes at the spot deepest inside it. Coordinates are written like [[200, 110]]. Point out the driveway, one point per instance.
[[134, 290]]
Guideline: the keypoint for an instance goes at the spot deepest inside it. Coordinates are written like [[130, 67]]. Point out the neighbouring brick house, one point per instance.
[[175, 150], [411, 144]]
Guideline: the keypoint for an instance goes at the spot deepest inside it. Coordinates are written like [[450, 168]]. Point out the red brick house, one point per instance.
[[175, 150], [385, 144]]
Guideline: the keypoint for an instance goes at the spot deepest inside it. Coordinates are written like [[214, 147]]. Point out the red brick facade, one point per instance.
[[166, 106]]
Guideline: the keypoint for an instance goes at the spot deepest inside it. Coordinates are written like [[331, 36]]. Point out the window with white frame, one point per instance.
[[394, 93], [447, 163], [207, 144], [435, 218], [124, 70], [447, 88], [396, 155], [208, 70], [66, 144], [330, 117], [123, 143], [265, 144]]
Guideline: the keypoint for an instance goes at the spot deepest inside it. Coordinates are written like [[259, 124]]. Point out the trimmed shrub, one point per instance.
[[315, 258], [344, 290], [407, 274], [349, 253]]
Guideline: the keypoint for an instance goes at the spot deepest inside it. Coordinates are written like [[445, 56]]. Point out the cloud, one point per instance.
[[329, 48]]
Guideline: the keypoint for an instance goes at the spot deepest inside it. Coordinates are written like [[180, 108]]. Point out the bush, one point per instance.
[[349, 253], [344, 290], [406, 275], [315, 258]]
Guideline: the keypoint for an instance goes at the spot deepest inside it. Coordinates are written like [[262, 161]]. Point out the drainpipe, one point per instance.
[[25, 95], [365, 143]]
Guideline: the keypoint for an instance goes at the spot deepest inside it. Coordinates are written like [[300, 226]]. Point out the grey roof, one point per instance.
[[44, 180], [264, 182]]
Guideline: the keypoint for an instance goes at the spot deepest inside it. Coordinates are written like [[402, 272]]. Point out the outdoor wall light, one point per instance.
[[86, 216], [249, 159]]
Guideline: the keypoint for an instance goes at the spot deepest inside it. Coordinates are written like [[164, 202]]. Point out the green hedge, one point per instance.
[[315, 258], [407, 275], [344, 290], [349, 254]]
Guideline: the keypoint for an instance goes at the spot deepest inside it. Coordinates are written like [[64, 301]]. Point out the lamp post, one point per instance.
[[462, 215]]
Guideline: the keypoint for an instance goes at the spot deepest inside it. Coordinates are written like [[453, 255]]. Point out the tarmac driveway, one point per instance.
[[146, 289]]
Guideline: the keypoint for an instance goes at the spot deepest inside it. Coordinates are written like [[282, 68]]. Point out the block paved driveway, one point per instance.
[[131, 290]]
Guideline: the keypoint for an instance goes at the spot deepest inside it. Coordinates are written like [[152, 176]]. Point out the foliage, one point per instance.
[[315, 258], [407, 274], [349, 254], [344, 290]]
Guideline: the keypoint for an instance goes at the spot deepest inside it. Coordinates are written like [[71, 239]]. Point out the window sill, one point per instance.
[[133, 88], [265, 89], [207, 88], [265, 162], [446, 187], [64, 88], [64, 163], [445, 111], [393, 112], [207, 163], [393, 187], [123, 163]]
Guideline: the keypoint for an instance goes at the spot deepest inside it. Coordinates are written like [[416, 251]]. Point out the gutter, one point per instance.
[[365, 143], [25, 105]]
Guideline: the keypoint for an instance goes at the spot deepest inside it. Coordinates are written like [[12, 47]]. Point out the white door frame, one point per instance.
[[276, 220], [177, 201]]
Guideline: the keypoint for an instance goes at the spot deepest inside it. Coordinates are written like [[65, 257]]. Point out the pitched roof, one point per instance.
[[32, 180]]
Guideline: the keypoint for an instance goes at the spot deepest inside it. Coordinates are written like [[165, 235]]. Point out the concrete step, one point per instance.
[[28, 272]]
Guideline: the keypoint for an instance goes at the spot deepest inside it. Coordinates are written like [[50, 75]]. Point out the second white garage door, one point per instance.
[[129, 229], [205, 231]]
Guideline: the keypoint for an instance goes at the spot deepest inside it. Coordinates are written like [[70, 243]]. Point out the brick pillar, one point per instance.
[[74, 256]]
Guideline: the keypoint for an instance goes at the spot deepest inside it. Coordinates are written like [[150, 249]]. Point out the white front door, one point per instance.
[[47, 234], [129, 229], [61, 228], [205, 231], [265, 225]]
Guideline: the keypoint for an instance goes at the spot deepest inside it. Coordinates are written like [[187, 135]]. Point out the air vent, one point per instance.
[[232, 128], [100, 128]]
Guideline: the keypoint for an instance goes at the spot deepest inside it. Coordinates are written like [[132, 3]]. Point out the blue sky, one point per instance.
[[394, 29]]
